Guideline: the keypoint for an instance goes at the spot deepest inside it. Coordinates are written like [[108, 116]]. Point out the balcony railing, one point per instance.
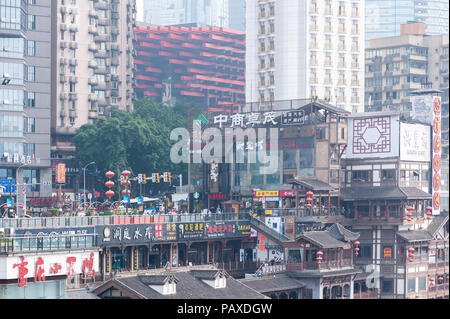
[[61, 242]]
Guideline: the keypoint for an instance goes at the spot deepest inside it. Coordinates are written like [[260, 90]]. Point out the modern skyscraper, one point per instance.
[[171, 12], [384, 17], [25, 64], [304, 49], [92, 71]]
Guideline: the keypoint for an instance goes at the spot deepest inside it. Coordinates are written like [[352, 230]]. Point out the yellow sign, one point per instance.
[[266, 193], [269, 212], [60, 174]]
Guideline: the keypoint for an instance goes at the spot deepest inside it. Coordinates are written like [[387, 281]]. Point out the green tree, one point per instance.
[[138, 141]]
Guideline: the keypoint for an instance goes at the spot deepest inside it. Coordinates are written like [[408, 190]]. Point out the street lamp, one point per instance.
[[84, 185]]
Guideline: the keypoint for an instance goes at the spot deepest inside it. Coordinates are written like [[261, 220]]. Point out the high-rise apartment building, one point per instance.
[[92, 67], [384, 17], [25, 69], [399, 65], [305, 49], [171, 12]]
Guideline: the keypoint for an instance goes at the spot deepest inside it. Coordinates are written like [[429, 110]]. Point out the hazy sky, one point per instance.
[[140, 10]]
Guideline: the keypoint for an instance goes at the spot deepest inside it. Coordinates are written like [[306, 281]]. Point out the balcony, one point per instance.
[[342, 65], [313, 45], [93, 13], [328, 81], [313, 28], [342, 30], [329, 63], [328, 12], [92, 30], [62, 78], [328, 46], [313, 80], [355, 13], [355, 48], [342, 13], [355, 65], [355, 99], [355, 31], [102, 38], [73, 28], [328, 29], [342, 47], [104, 22], [73, 62], [92, 81], [355, 82]]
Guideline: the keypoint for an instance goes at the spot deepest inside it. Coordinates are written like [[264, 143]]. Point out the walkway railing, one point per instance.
[[279, 237], [82, 221]]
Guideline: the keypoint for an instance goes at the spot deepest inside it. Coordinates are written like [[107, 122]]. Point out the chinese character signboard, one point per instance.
[[387, 252], [422, 109], [293, 118], [42, 267], [60, 174], [191, 231], [88, 230], [227, 229], [265, 193], [136, 234], [414, 142], [436, 157]]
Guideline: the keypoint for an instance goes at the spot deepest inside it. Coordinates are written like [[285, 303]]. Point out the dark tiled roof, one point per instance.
[[385, 192], [437, 222], [80, 294], [156, 279], [316, 273], [207, 274], [323, 239], [187, 287], [341, 233], [363, 275], [277, 282], [311, 183], [415, 193], [428, 234], [414, 235]]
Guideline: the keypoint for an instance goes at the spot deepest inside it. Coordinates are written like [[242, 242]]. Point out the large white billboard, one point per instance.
[[373, 136], [415, 142], [422, 109]]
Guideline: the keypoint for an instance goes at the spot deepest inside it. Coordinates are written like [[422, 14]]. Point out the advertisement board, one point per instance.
[[373, 137], [422, 109], [43, 232], [60, 174], [415, 142], [436, 163]]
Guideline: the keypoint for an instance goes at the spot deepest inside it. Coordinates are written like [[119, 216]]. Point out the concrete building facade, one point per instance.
[[92, 71], [304, 49], [25, 71]]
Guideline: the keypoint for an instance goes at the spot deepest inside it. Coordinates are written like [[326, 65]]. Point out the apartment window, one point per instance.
[[72, 104], [31, 73], [31, 99], [422, 283], [72, 53], [29, 149], [388, 175], [412, 285], [73, 36], [362, 176], [32, 178], [31, 48], [387, 286], [29, 124], [31, 22], [343, 133], [320, 133], [72, 87]]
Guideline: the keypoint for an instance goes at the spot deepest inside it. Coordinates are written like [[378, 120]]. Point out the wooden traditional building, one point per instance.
[[323, 261]]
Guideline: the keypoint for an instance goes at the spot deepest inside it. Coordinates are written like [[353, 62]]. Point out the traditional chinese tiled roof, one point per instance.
[[311, 183], [157, 279], [425, 235], [208, 274], [273, 283], [187, 287], [341, 233], [385, 192], [323, 239]]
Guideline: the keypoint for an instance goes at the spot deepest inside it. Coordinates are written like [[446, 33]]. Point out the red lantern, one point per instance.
[[357, 243], [109, 174], [411, 260], [319, 253], [411, 250], [309, 199], [126, 173], [308, 205], [109, 194], [440, 279], [429, 208], [109, 184], [125, 183], [429, 215], [446, 278], [116, 204], [125, 192], [409, 208], [309, 193], [20, 206], [411, 255]]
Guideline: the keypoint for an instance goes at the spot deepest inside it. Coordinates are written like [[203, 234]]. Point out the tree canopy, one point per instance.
[[137, 141]]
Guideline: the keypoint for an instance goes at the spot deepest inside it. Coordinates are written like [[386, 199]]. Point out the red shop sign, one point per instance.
[[216, 196], [287, 193]]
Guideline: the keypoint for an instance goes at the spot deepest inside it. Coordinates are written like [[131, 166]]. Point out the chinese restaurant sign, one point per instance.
[[88, 230], [38, 267], [165, 232]]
